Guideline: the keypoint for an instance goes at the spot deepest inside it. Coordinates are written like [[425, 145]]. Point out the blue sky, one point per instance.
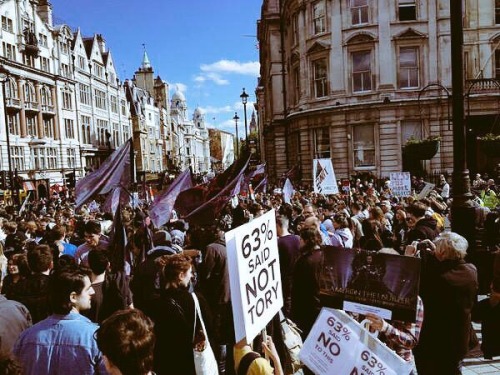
[[205, 48]]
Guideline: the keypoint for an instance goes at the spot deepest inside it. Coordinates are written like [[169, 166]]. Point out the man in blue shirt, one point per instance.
[[64, 342]]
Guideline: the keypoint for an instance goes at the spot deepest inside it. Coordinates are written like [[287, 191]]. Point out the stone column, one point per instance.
[[22, 114], [41, 130]]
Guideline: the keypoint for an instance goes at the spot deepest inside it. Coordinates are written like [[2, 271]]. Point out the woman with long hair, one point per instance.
[[174, 317]]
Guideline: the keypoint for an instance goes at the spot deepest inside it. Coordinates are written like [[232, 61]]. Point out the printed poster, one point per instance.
[[324, 177]]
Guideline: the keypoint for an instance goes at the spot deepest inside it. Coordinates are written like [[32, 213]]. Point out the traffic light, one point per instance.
[[70, 180]]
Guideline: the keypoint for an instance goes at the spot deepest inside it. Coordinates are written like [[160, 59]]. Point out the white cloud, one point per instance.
[[250, 68], [216, 110], [178, 86]]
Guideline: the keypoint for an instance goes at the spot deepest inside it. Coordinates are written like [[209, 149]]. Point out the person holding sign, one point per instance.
[[306, 280]]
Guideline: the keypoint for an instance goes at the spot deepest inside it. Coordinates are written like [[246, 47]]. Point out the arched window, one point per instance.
[[11, 89], [46, 96], [29, 93]]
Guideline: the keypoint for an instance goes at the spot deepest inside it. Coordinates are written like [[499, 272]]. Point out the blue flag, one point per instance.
[[162, 207], [114, 172]]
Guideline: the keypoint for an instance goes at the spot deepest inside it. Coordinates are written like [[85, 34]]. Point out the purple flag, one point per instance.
[[209, 211], [119, 196], [262, 186], [162, 207], [114, 172], [191, 199]]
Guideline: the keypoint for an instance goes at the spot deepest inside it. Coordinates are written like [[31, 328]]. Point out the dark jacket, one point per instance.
[[173, 316], [289, 252], [448, 290], [425, 229], [33, 292], [305, 289]]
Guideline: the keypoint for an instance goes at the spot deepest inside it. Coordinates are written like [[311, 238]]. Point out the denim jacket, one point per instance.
[[60, 344]]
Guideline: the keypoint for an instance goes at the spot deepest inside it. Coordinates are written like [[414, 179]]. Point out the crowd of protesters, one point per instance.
[[71, 300]]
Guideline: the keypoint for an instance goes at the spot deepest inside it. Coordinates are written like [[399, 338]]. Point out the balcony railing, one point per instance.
[[46, 108], [31, 106], [30, 43], [13, 102]]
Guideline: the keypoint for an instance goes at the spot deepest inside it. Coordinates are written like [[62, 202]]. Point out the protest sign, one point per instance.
[[346, 185], [400, 184], [324, 177], [426, 190], [254, 275], [364, 281], [337, 344]]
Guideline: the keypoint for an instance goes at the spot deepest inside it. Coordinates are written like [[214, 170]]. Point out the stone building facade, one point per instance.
[[352, 80]]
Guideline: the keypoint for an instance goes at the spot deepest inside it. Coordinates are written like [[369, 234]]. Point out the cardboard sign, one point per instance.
[[365, 281], [254, 275], [426, 190], [400, 184], [337, 344], [324, 177]]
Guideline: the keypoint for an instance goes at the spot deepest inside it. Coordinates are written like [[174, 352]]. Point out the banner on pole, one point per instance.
[[400, 184], [254, 275], [362, 281], [337, 344], [324, 177]]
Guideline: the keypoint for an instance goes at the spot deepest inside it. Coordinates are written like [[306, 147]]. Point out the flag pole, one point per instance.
[[132, 166]]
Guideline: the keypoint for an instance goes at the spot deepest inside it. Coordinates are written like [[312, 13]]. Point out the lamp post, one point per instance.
[[3, 78], [244, 100], [236, 118], [462, 211]]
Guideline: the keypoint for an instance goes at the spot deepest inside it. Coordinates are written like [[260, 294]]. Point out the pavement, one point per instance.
[[475, 363]]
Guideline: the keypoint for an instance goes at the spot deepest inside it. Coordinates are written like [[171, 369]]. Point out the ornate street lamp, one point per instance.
[[236, 118], [244, 100], [4, 79]]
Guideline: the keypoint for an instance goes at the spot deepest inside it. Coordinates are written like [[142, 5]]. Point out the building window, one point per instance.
[[11, 91], [116, 134], [48, 127], [14, 125], [408, 67], [38, 155], [42, 40], [100, 99], [7, 24], [32, 126], [45, 64], [71, 157], [407, 10], [320, 72], [98, 70], [28, 60], [112, 78], [69, 128], [295, 29], [29, 93], [359, 12], [126, 132], [64, 47], [52, 158], [9, 51], [410, 129], [17, 155], [296, 83], [46, 97], [497, 12], [319, 17], [65, 70], [321, 139], [67, 104], [86, 129], [361, 71], [84, 94], [364, 145], [123, 105], [102, 129], [113, 102], [81, 62]]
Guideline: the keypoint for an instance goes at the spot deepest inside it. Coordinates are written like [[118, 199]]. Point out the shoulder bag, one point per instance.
[[204, 358]]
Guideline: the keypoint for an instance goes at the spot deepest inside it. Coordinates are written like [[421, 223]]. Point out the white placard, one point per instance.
[[400, 184], [360, 308], [254, 275], [425, 190], [337, 344], [324, 177]]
